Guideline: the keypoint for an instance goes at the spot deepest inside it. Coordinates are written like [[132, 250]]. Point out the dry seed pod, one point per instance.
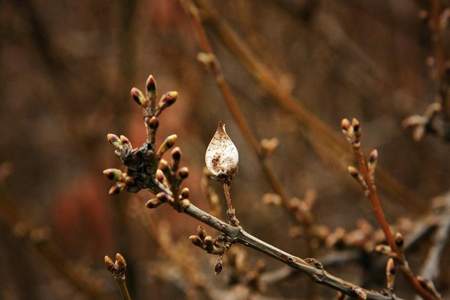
[[222, 156]]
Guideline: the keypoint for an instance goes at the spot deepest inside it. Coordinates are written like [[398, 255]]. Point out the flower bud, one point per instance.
[[109, 264], [168, 99], [150, 84], [153, 203], [120, 262], [183, 173], [153, 123], [113, 174], [139, 97], [167, 144]]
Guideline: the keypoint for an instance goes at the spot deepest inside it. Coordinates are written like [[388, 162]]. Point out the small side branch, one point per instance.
[[118, 270], [364, 174], [431, 267]]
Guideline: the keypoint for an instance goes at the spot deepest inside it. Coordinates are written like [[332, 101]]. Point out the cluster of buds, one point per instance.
[[121, 180], [302, 208], [118, 267], [216, 246], [365, 174], [145, 166], [352, 131], [363, 237], [171, 176], [429, 122]]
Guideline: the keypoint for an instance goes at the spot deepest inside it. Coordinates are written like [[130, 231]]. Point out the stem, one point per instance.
[[231, 212], [239, 235], [374, 199], [121, 282]]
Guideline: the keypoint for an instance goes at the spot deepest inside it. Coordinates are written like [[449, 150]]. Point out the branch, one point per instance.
[[147, 170], [436, 119], [365, 176], [431, 267], [118, 270]]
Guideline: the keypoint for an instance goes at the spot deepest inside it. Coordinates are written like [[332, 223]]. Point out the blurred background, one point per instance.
[[66, 71]]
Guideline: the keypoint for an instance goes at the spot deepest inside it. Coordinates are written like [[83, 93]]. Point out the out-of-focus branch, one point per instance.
[[364, 174], [320, 135], [90, 286], [431, 266], [210, 60], [436, 119]]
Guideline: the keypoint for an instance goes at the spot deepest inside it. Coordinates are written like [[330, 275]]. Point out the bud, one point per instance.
[[272, 199], [163, 165], [185, 203], [139, 97], [399, 240], [153, 203], [222, 156], [268, 146], [153, 123], [114, 140], [205, 58], [117, 188], [150, 84], [219, 266], [185, 193], [159, 175], [109, 264], [125, 141], [201, 232], [168, 99], [373, 157], [176, 154], [345, 124], [356, 125], [120, 262], [163, 197], [353, 171], [167, 144], [113, 174], [196, 240], [183, 173]]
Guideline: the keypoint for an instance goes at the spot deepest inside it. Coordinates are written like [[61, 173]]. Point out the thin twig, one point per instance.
[[365, 175], [431, 266], [118, 270]]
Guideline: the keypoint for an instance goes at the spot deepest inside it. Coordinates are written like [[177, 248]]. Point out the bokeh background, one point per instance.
[[66, 71]]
